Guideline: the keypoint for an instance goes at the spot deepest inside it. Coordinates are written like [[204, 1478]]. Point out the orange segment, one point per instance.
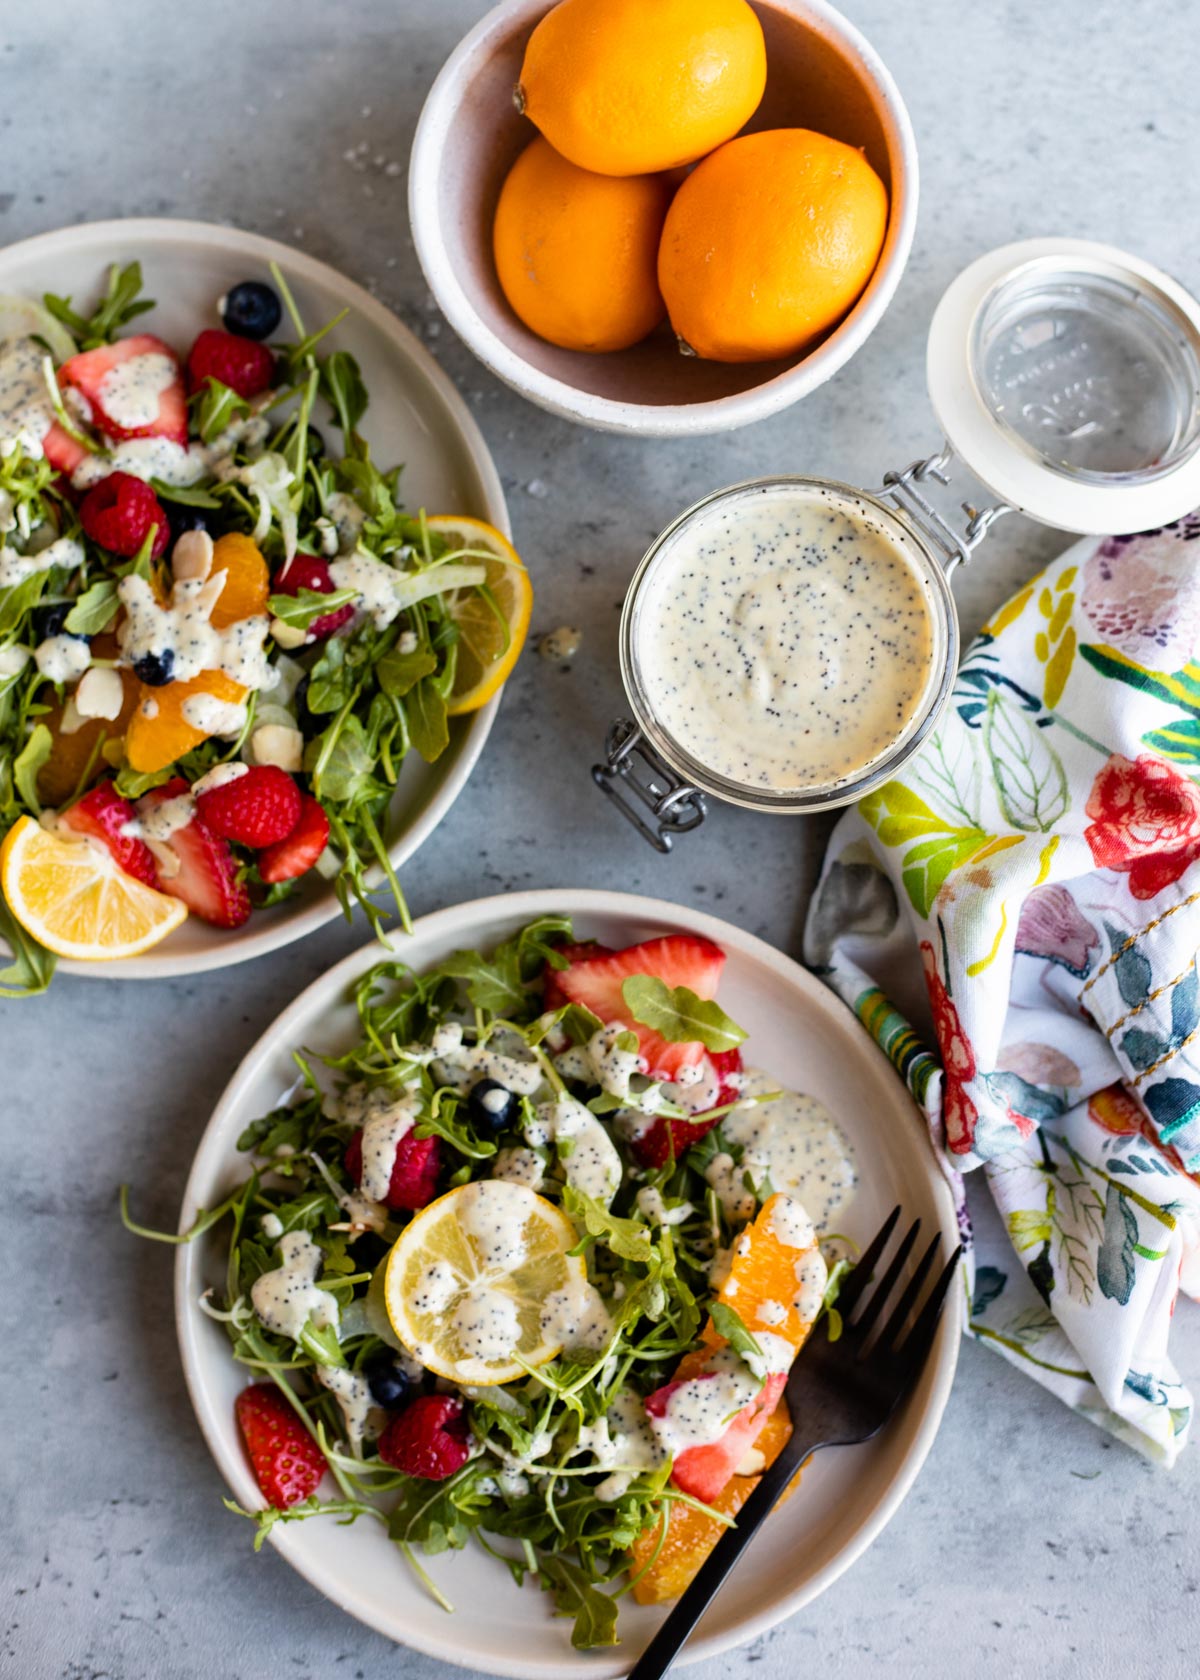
[[691, 1534], [71, 754], [75, 898], [762, 1278], [158, 731], [247, 580]]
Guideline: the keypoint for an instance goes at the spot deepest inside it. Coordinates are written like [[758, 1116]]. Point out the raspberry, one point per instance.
[[296, 853], [430, 1438], [414, 1171], [119, 511], [287, 1463], [255, 809], [245, 366], [309, 571]]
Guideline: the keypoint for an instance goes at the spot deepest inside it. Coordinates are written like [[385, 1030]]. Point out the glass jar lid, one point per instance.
[[1066, 374]]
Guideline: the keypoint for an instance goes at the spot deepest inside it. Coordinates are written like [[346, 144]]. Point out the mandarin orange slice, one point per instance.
[[247, 580], [158, 731]]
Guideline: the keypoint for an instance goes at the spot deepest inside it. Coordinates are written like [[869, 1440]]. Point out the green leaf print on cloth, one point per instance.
[[1043, 855]]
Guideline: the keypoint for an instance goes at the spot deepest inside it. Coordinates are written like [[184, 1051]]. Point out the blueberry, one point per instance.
[[186, 519], [155, 669], [49, 621], [251, 310], [493, 1105], [389, 1384]]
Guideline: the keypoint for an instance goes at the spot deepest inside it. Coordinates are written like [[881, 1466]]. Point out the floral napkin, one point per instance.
[[1042, 854]]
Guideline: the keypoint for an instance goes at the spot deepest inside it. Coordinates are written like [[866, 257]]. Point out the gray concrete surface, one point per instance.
[[1031, 1544]]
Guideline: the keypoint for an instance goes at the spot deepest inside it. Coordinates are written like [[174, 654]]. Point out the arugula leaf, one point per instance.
[[215, 407], [576, 1595], [93, 609], [397, 673], [187, 495], [342, 384], [629, 1239], [307, 605], [121, 304], [428, 721], [32, 966], [728, 1323], [28, 762], [678, 1015]]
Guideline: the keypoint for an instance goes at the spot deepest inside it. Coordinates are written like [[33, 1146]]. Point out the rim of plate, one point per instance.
[[167, 231], [213, 1147]]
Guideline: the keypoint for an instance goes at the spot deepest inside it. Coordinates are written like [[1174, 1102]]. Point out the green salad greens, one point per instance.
[[536, 1489], [363, 697]]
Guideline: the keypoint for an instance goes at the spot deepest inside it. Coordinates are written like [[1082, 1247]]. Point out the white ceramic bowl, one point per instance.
[[806, 1038], [821, 74], [416, 416]]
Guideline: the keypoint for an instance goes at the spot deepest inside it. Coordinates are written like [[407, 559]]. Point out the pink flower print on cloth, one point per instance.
[[1142, 594]]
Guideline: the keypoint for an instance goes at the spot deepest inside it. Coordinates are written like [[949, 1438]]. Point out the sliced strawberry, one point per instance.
[[704, 1471], [553, 995], [653, 1146], [287, 1463], [90, 371], [414, 1170], [297, 852], [62, 451], [678, 959], [102, 815], [207, 881]]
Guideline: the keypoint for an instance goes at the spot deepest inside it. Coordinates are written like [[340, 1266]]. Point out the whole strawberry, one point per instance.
[[246, 366], [255, 809], [296, 853], [118, 512], [287, 1463], [430, 1438], [414, 1171]]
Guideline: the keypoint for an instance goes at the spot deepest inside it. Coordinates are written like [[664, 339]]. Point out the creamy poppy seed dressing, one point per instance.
[[784, 640]]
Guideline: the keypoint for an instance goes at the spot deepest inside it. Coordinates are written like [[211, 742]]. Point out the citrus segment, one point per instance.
[[488, 646], [159, 731], [466, 1281], [247, 580], [75, 899]]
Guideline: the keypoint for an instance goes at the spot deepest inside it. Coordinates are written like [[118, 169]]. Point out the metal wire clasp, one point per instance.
[[633, 774], [952, 546]]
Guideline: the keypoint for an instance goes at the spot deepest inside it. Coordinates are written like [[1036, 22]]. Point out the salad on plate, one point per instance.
[[527, 1265], [221, 632]]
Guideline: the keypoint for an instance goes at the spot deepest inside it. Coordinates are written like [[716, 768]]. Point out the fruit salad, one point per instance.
[[528, 1266], [220, 632]]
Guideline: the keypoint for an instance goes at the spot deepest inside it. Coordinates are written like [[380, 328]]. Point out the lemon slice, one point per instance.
[[466, 1281], [76, 899], [488, 648]]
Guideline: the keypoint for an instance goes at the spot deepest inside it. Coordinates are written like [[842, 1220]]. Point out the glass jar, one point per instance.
[[1066, 376]]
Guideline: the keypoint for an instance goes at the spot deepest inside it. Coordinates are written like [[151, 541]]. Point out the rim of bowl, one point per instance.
[[161, 964], [671, 419]]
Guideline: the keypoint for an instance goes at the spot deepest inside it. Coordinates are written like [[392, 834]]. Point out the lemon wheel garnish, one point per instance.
[[466, 1281], [77, 901], [488, 646]]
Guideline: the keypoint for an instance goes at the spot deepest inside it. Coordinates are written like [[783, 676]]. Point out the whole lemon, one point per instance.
[[628, 87], [576, 252], [768, 243]]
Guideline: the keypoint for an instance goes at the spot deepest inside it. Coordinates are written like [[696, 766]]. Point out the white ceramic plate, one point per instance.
[[416, 416], [807, 1039]]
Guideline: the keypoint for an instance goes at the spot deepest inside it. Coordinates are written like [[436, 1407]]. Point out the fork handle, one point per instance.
[[662, 1650]]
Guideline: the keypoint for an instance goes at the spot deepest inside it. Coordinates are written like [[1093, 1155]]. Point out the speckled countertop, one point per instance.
[[1031, 1544]]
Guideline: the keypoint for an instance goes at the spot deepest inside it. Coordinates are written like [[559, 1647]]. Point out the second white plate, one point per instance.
[[806, 1039]]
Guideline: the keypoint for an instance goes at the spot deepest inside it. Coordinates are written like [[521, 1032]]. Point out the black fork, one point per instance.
[[839, 1394]]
